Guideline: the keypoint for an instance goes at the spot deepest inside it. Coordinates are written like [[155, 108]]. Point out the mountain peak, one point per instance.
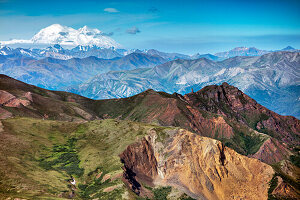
[[242, 51], [64, 35], [225, 84], [288, 48], [88, 31], [58, 26], [239, 48]]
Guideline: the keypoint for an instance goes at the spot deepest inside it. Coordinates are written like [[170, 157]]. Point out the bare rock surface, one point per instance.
[[201, 167]]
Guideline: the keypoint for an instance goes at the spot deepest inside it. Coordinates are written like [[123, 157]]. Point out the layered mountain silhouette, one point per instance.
[[54, 73], [271, 79]]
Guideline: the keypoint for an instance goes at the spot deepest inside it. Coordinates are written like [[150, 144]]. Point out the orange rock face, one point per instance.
[[229, 101], [201, 167]]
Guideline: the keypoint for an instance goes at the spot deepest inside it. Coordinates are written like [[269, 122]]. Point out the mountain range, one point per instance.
[[83, 51], [280, 82], [57, 51], [242, 51], [151, 145], [86, 42], [272, 79], [54, 73], [101, 73], [88, 62]]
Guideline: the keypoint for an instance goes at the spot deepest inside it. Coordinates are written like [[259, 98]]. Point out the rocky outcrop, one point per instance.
[[142, 160], [9, 100], [220, 112], [201, 167], [139, 166], [229, 101], [214, 127], [284, 190]]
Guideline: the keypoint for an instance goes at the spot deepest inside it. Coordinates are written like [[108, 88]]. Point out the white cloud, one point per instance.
[[111, 10]]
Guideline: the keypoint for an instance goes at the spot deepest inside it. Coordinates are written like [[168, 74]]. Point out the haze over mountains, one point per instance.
[[269, 78], [272, 79], [97, 68]]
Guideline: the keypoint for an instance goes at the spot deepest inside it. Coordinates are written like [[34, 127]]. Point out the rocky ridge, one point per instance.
[[203, 168]]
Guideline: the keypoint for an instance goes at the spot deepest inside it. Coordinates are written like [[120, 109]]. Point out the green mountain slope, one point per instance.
[[38, 157]]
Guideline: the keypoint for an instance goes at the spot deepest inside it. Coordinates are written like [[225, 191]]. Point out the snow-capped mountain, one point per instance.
[[55, 48], [4, 50], [58, 52], [63, 35]]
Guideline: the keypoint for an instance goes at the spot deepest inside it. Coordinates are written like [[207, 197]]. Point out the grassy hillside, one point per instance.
[[38, 158]]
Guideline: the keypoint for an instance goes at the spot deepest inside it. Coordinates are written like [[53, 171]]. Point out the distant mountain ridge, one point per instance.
[[57, 51], [268, 77], [55, 73], [82, 51], [273, 77], [250, 51], [288, 48], [242, 51]]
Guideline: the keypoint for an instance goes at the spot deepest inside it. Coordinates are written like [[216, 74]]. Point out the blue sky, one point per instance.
[[174, 26]]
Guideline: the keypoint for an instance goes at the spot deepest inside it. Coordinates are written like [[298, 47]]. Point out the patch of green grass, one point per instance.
[[33, 139], [50, 151], [244, 141], [272, 186], [295, 159], [161, 193], [252, 143], [253, 118], [94, 189], [40, 92], [162, 135], [63, 158]]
